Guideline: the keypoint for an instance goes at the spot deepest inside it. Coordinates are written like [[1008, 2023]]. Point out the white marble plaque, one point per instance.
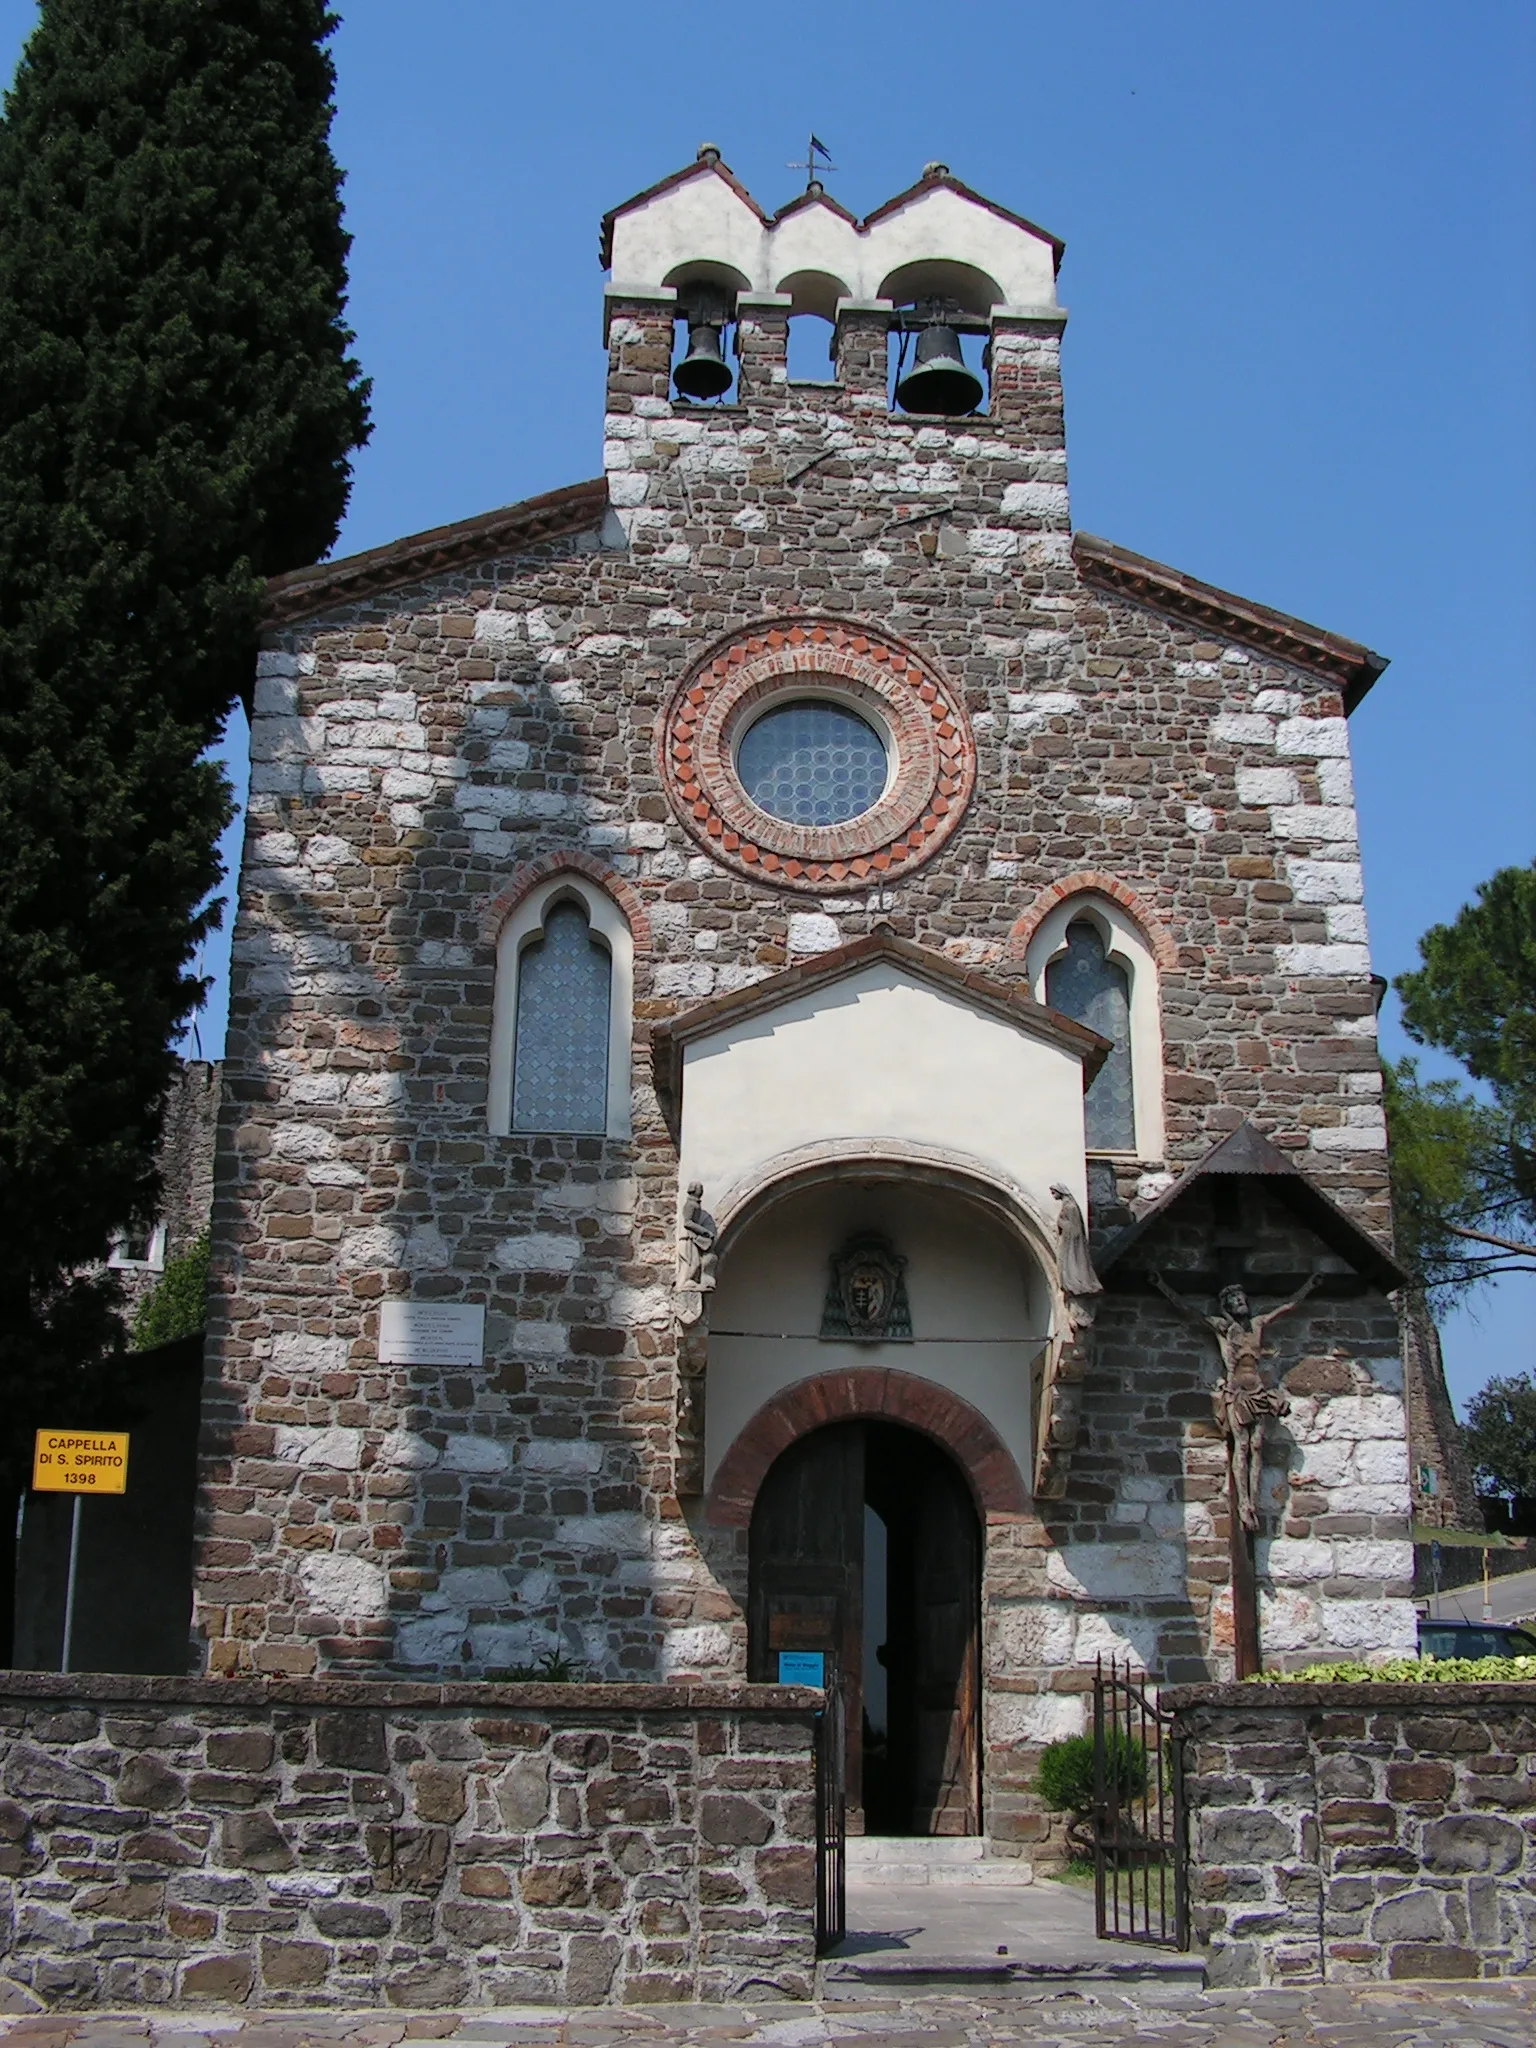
[[431, 1333]]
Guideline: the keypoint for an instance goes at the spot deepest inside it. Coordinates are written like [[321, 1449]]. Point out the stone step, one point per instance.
[[842, 1977], [931, 1859]]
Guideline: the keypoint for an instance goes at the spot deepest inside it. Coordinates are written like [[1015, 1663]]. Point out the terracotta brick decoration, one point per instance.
[[868, 1393], [570, 861], [930, 736], [1089, 881]]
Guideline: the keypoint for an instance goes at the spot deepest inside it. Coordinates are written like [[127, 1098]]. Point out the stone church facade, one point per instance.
[[706, 936]]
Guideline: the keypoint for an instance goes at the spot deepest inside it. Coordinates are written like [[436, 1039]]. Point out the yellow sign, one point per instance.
[[80, 1461]]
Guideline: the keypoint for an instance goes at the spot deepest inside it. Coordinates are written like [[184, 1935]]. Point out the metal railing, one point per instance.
[[1140, 1869], [831, 1821]]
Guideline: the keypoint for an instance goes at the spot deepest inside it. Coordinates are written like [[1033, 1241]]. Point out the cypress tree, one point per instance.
[[178, 403]]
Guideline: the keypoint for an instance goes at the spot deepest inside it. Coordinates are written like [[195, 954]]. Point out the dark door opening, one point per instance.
[[865, 1546]]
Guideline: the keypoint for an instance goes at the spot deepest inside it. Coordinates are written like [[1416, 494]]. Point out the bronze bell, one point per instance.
[[939, 380], [703, 372]]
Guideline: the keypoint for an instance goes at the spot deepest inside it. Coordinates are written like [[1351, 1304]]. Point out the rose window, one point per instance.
[[816, 754], [812, 763]]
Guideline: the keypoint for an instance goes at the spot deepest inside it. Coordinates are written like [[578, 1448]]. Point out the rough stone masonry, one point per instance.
[[438, 723]]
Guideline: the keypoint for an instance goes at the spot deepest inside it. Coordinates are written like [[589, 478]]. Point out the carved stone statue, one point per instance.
[[1244, 1400], [1079, 1282], [697, 1257]]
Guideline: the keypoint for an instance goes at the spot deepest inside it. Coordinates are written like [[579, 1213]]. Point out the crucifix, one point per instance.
[[1245, 1403]]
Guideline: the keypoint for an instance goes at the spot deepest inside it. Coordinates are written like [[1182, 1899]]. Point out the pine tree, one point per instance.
[[177, 408]]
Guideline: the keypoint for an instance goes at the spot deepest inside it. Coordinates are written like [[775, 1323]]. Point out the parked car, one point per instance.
[[1473, 1639]]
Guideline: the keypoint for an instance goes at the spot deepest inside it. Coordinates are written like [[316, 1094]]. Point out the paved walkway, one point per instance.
[[1496, 2015]]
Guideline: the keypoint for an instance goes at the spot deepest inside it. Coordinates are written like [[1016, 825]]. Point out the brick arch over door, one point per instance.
[[867, 1394]]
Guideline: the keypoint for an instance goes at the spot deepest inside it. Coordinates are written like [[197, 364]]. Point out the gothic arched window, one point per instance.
[[1083, 982], [561, 1029], [560, 1065]]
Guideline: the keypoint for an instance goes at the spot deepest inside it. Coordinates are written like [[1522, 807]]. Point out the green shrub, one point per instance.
[[1409, 1671], [178, 1307], [553, 1668], [1065, 1778]]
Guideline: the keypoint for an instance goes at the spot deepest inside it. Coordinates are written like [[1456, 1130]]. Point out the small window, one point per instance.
[[560, 1066], [141, 1244], [1086, 984], [813, 763]]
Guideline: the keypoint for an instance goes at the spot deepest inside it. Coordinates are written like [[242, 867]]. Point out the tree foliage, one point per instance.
[[1463, 1167], [177, 407], [177, 1306], [1501, 1436]]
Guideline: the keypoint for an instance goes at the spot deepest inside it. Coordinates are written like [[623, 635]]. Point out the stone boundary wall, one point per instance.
[[1356, 1833], [176, 1841]]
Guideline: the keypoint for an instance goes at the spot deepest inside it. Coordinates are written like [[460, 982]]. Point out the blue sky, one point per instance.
[[1301, 267]]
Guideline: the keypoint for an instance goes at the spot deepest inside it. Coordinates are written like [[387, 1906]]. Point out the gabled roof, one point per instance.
[[1346, 663], [814, 195], [701, 167], [304, 592], [1013, 1004], [1248, 1155], [950, 183]]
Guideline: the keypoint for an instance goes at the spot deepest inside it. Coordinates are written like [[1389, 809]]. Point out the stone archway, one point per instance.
[[867, 1393]]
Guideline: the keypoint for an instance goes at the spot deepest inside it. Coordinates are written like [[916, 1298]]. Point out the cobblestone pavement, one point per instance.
[[1492, 2015]]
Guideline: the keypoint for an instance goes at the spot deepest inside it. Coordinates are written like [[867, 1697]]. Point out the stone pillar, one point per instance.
[[863, 326], [1026, 376], [638, 328], [762, 346]]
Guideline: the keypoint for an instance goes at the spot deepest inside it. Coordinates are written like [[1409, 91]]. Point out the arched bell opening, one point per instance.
[[864, 1567], [703, 347], [938, 361]]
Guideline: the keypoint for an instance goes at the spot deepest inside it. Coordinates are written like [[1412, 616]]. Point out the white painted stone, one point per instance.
[[1357, 1558], [466, 1453], [540, 1251], [1380, 1628], [369, 1250], [1325, 881], [275, 697], [1033, 1719], [343, 1584], [992, 543], [632, 1307], [1035, 1633], [627, 487], [1260, 786], [622, 1533], [704, 1647], [1314, 736], [304, 1141], [1329, 822], [379, 672], [813, 932], [274, 662], [1383, 1462], [1124, 1638], [497, 627], [1326, 959], [1245, 728], [1116, 1571], [684, 978], [434, 1639], [540, 1340], [1345, 923], [1199, 817], [1295, 1561], [561, 1454], [474, 1586], [1287, 1621], [1351, 1138], [1284, 702], [318, 1450], [1047, 502], [403, 1451]]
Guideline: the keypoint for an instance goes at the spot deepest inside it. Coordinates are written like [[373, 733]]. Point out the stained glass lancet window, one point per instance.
[[1086, 984], [560, 1065]]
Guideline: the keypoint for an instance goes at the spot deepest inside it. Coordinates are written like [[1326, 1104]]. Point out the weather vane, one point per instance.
[[810, 166]]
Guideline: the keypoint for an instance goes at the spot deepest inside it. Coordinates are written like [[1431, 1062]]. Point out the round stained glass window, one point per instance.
[[813, 763]]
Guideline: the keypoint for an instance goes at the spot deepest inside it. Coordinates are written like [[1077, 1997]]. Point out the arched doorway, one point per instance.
[[865, 1546]]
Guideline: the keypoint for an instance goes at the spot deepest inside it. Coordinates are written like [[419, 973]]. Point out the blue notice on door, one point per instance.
[[802, 1667]]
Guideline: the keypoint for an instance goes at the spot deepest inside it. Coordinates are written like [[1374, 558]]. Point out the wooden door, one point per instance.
[[806, 1573], [946, 1586]]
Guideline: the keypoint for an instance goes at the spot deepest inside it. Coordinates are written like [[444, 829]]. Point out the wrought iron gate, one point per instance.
[[1140, 1868], [831, 1820]]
